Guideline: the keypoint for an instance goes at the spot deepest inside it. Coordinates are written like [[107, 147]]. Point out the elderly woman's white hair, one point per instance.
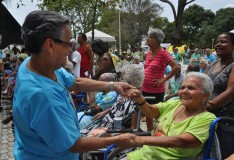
[[204, 61], [133, 74], [157, 34], [207, 83]]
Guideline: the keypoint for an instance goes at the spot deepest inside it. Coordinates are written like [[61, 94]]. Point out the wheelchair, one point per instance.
[[211, 150]]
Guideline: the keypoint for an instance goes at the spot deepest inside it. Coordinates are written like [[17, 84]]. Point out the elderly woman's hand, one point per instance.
[[126, 140], [134, 93], [122, 88]]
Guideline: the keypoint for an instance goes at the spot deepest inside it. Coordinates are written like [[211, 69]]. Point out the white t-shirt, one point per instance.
[[76, 57]]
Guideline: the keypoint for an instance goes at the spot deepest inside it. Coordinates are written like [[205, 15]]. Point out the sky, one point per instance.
[[21, 12]]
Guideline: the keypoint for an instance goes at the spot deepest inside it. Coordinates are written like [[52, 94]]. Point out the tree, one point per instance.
[[178, 18], [196, 17], [224, 20], [136, 17], [84, 14]]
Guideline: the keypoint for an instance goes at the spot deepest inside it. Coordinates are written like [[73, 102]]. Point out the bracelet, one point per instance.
[[112, 85], [141, 104]]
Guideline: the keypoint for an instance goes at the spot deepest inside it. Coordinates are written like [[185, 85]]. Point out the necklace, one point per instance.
[[178, 113], [54, 78]]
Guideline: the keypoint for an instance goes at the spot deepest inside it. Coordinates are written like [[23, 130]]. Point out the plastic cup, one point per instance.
[[118, 123]]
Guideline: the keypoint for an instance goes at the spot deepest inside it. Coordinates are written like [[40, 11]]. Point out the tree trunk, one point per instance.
[[93, 23], [178, 22]]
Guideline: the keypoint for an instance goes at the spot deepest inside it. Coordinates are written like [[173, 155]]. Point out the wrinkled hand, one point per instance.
[[99, 115], [158, 82], [122, 88], [134, 93], [126, 140]]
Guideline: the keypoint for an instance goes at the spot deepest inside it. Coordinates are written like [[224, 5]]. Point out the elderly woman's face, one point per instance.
[[63, 48], [223, 45], [151, 41], [191, 93]]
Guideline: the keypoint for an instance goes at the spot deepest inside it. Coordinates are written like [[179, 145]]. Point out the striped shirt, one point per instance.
[[154, 69]]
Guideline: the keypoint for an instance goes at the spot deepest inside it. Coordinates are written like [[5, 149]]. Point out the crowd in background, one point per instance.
[[164, 71]]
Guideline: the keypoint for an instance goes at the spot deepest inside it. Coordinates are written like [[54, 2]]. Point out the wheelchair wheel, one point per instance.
[[118, 153]]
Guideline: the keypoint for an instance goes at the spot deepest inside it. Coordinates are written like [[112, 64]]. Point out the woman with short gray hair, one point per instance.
[[181, 127], [154, 67], [45, 121], [124, 108], [207, 83], [133, 74]]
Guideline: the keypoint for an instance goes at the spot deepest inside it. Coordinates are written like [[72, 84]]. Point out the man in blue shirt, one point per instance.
[[210, 57]]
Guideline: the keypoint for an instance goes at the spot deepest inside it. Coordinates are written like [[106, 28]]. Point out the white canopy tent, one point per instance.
[[232, 31], [100, 35]]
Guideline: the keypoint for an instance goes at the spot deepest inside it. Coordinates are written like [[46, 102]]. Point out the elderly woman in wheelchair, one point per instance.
[[103, 101], [125, 108], [182, 126]]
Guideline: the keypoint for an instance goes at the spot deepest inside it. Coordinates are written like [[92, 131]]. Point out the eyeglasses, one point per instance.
[[69, 44]]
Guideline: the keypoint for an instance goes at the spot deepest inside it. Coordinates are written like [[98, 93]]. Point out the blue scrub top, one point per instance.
[[46, 125]]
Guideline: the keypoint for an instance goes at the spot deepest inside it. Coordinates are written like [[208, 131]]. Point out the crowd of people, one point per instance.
[[178, 116]]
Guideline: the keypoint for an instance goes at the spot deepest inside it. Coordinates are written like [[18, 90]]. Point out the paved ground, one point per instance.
[[6, 134]]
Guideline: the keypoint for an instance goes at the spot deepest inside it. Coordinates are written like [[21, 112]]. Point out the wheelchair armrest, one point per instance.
[[119, 131], [142, 133]]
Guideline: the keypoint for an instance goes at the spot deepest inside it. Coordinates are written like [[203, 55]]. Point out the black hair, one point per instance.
[[99, 47], [40, 25], [83, 35], [193, 67], [230, 35]]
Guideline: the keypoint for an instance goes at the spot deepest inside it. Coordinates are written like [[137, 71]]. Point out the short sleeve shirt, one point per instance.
[[154, 69], [46, 125], [197, 125]]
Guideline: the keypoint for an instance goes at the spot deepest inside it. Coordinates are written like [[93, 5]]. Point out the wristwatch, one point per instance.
[[112, 85]]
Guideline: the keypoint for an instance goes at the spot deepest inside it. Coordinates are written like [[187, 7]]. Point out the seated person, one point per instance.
[[103, 101], [11, 77], [182, 126], [123, 107], [203, 65], [174, 85], [193, 67]]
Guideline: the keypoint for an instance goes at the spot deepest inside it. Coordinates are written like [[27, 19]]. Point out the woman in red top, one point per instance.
[[86, 53], [154, 67]]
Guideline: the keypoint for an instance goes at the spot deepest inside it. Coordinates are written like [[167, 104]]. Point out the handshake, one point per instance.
[[128, 140]]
